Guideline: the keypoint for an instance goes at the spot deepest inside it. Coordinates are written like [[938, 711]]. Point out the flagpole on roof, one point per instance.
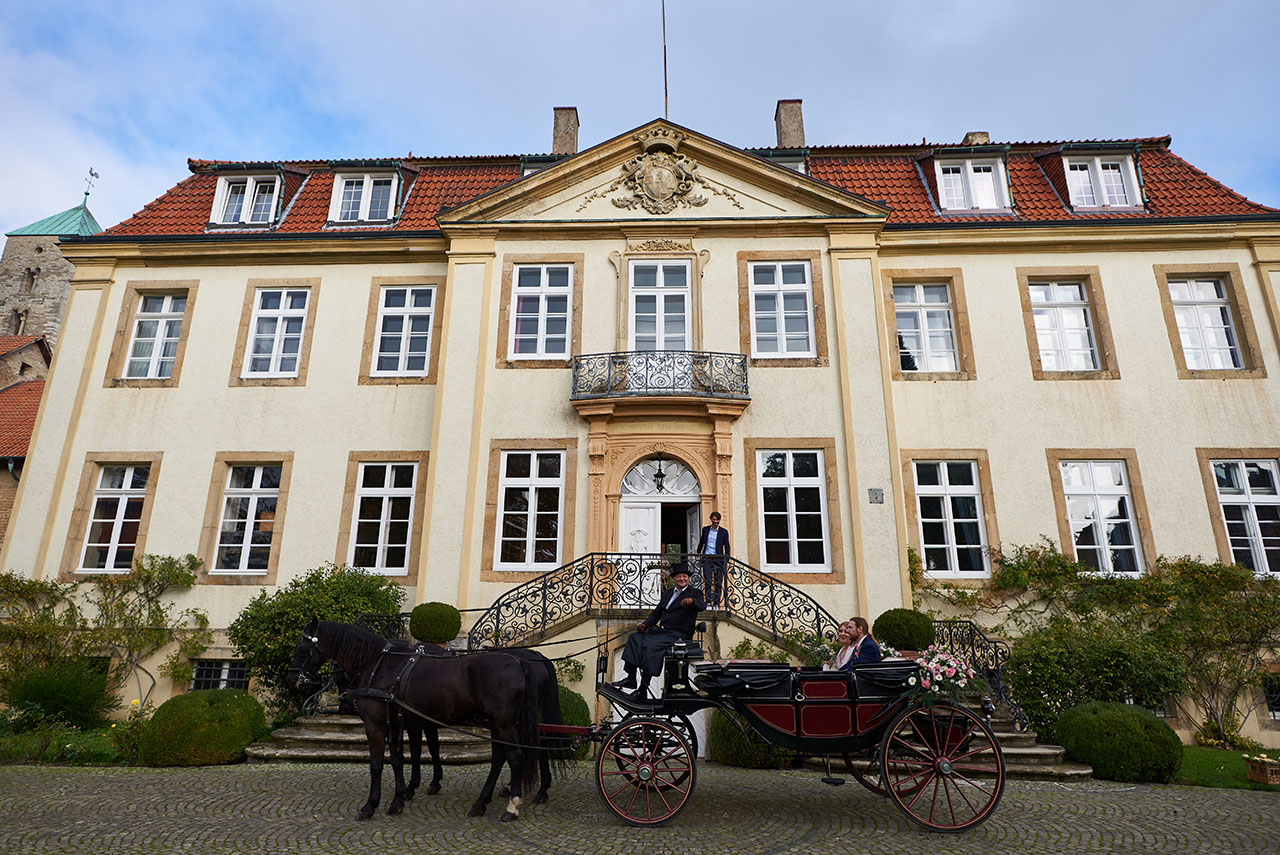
[[666, 98]]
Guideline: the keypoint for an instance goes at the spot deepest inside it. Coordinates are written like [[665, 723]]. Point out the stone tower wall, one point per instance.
[[34, 283]]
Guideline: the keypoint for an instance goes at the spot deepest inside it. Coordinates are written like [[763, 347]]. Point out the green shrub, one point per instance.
[[73, 691], [904, 629], [1065, 665], [1121, 742], [435, 623], [203, 728], [728, 745], [266, 633], [574, 710], [760, 649]]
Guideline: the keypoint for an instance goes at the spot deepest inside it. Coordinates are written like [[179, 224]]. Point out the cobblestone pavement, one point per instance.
[[281, 809]]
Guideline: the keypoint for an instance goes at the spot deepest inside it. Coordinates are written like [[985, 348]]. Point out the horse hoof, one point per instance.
[[540, 799], [394, 809], [477, 810], [433, 789], [364, 815], [508, 816]]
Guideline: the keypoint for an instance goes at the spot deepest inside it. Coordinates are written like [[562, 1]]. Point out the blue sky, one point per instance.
[[133, 88]]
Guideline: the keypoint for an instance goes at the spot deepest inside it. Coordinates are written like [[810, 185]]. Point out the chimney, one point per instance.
[[790, 124], [564, 131], [976, 138]]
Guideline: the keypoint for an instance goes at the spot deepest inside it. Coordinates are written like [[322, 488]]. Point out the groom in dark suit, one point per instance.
[[713, 548], [673, 620]]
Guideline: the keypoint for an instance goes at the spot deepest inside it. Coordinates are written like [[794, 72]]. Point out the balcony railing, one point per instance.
[[660, 372]]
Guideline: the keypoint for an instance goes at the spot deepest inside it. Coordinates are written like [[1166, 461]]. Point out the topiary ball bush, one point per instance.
[[203, 728], [904, 629], [73, 690], [574, 710], [435, 623], [1121, 742], [728, 745]]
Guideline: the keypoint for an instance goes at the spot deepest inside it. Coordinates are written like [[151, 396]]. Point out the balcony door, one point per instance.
[[660, 299]]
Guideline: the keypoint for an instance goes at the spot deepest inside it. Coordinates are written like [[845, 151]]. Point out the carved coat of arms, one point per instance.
[[660, 180]]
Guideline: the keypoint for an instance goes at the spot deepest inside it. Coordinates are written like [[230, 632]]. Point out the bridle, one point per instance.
[[305, 676]]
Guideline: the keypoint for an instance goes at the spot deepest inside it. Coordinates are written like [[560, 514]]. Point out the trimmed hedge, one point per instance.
[[1121, 742], [204, 728], [904, 629], [71, 690], [574, 710], [435, 623], [726, 744]]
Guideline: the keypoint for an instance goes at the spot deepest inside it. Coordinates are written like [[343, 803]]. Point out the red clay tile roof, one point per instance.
[[888, 173], [18, 406], [10, 343]]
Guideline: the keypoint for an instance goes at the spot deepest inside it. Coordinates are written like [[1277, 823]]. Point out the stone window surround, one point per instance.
[[1091, 279], [369, 348], [131, 299], [1204, 458], [208, 548], [243, 335], [1141, 519], [953, 278], [623, 261], [505, 309], [745, 258], [836, 575], [908, 457], [78, 527], [354, 459], [1241, 319], [569, 445]]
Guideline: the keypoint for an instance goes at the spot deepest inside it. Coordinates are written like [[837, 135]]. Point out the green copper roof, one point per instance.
[[73, 221]]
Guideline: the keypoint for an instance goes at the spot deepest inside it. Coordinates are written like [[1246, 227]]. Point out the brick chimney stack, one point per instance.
[[564, 131], [976, 138], [790, 124]]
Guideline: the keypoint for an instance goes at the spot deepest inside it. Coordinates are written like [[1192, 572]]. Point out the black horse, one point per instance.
[[482, 688]]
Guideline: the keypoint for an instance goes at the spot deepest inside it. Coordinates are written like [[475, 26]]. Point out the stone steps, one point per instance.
[[341, 739]]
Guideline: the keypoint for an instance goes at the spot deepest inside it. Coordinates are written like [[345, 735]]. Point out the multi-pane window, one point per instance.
[[1202, 309], [279, 319], [1096, 181], [541, 306], [248, 518], [1249, 493], [156, 329], [1104, 529], [1271, 694], [531, 506], [220, 674], [971, 184], [249, 200], [660, 305], [383, 517], [793, 515], [116, 517], [404, 330], [361, 198], [949, 506], [781, 309], [926, 329], [1064, 326]]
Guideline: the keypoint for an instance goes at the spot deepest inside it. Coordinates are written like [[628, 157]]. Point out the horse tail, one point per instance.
[[557, 747], [528, 729]]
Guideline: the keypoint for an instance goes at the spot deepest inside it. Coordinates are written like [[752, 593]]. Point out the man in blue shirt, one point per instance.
[[713, 546]]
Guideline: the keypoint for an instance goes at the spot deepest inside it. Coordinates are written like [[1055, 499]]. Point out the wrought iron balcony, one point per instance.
[[642, 373]]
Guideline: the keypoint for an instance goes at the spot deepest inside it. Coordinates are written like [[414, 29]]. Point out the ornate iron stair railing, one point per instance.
[[985, 655], [603, 582], [660, 372]]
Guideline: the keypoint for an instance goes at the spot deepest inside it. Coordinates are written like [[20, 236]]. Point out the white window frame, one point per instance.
[[789, 481], [1189, 313], [164, 342], [1254, 542], [404, 340], [1093, 167], [252, 184], [1096, 494], [946, 491], [532, 484], [280, 335], [968, 166], [661, 291], [386, 493], [545, 319], [256, 494], [920, 309], [1055, 310], [129, 494], [223, 678], [366, 180], [779, 315]]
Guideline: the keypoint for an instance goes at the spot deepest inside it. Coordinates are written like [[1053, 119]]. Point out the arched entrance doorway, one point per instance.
[[658, 514]]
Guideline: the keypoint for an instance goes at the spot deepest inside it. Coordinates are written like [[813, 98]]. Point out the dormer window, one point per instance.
[[972, 185], [245, 200], [1102, 181], [363, 198]]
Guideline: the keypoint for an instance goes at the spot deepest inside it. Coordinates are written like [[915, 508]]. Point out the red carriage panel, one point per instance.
[[826, 720], [780, 716]]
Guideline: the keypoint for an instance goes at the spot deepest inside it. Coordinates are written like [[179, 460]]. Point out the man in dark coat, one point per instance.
[[713, 547], [673, 620]]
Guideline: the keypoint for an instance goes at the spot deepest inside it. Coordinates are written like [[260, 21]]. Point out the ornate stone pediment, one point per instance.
[[660, 180], [661, 245]]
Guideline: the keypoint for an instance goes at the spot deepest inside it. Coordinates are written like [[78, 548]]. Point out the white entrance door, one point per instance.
[[640, 532]]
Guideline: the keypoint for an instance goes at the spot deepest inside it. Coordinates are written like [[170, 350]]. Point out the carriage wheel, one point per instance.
[[871, 777], [943, 767], [681, 723], [646, 771]]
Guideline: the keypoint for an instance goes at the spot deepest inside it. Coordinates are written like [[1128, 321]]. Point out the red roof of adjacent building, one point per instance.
[[10, 343], [18, 406], [890, 174]]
